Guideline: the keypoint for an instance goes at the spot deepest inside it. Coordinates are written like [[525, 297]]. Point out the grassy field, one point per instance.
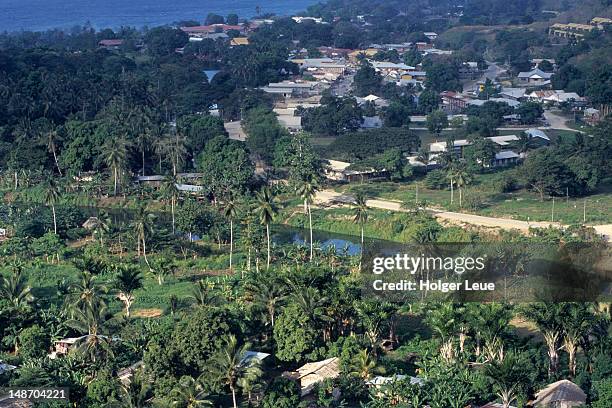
[[521, 205], [151, 300]]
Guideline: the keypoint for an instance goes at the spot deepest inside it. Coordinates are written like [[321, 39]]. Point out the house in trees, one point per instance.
[[560, 394], [64, 346], [312, 374], [113, 44], [535, 77], [5, 368], [453, 102], [592, 116], [125, 374], [339, 171]]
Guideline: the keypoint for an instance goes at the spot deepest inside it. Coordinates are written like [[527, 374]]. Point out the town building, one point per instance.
[[290, 88], [202, 31], [431, 35], [535, 77], [238, 41], [571, 31], [111, 44], [453, 102]]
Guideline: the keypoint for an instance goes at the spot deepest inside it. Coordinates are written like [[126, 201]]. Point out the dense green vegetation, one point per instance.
[[181, 276]]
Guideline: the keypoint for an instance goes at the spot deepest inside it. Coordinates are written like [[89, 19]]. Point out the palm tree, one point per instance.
[[86, 292], [15, 289], [230, 365], [462, 178], [189, 393], [137, 392], [52, 196], [524, 143], [91, 321], [548, 317], [230, 211], [312, 305], [170, 191], [362, 365], [360, 217], [268, 295], [307, 191], [114, 154], [508, 376], [162, 267], [204, 295], [101, 226], [51, 138], [143, 226], [266, 211], [128, 280]]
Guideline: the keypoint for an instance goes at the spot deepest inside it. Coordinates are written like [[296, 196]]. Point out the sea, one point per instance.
[[42, 15]]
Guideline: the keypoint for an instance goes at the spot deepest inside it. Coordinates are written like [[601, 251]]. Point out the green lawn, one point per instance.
[[522, 204]]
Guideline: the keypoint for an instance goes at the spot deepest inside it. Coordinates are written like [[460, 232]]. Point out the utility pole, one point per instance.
[[416, 200], [584, 212], [553, 211]]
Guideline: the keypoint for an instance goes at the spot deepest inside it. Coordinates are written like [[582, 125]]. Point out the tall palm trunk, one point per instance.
[[54, 219], [460, 197], [310, 225], [173, 218], [361, 255], [144, 251], [452, 191], [231, 242], [56, 162], [268, 236], [234, 396], [116, 177]]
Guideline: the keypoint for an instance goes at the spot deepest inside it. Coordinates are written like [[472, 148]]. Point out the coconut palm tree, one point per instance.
[[170, 192], [92, 322], [266, 210], [229, 365], [204, 295], [52, 196], [137, 392], [51, 137], [230, 211], [360, 216], [15, 289], [268, 295], [101, 226], [307, 190], [128, 280], [86, 292], [143, 225], [115, 155], [362, 366], [189, 393], [462, 178]]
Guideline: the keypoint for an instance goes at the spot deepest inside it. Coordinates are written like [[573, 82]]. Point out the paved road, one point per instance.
[[492, 72], [328, 197]]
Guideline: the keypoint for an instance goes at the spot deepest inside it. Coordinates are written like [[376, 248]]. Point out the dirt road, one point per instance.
[[329, 197]]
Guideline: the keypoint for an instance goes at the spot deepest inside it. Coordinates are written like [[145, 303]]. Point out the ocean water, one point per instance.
[[40, 15]]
